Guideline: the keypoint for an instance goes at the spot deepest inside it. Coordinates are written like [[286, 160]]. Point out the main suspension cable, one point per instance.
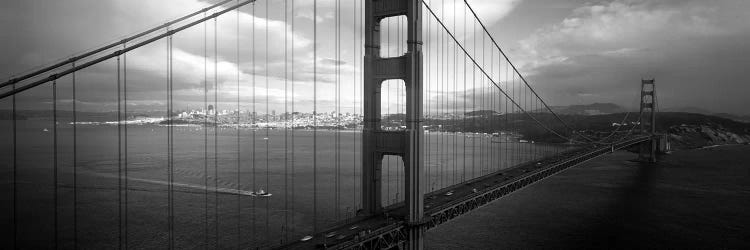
[[114, 54], [485, 73], [484, 28]]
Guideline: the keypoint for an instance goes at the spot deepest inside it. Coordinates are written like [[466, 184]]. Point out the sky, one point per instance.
[[571, 51]]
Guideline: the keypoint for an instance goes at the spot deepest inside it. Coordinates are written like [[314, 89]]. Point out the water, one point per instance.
[[691, 199], [310, 188]]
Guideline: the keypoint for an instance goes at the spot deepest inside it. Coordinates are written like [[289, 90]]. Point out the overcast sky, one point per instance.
[[572, 51]]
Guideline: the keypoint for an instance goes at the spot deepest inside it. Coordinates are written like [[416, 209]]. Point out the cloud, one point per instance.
[[598, 52], [459, 19], [261, 48], [603, 49]]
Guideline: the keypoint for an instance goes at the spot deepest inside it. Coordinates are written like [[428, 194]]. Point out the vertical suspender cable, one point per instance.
[[254, 128], [125, 145], [169, 181], [516, 146], [514, 150], [496, 123], [237, 128], [489, 123], [170, 141], [426, 93], [428, 76], [286, 127], [315, 116], [441, 107], [492, 114], [216, 133], [474, 101], [463, 116], [205, 133], [527, 101], [455, 97], [493, 108], [361, 46], [267, 127], [527, 149], [446, 105], [336, 102], [293, 116], [119, 159], [507, 139], [171, 107], [354, 108], [518, 123], [338, 114], [75, 158], [450, 175], [482, 149], [171, 130], [481, 105], [436, 107], [341, 107], [54, 154], [169, 148], [15, 171]]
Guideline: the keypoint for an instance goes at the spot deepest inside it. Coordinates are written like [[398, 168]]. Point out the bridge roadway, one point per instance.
[[388, 229]]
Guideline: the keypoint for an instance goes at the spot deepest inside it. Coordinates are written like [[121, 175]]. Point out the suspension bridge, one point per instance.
[[403, 116]]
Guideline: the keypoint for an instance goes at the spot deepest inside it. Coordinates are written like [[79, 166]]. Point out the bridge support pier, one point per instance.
[[406, 144], [415, 238], [647, 150]]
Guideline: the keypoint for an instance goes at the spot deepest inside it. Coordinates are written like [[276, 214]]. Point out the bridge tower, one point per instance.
[[647, 152], [406, 144]]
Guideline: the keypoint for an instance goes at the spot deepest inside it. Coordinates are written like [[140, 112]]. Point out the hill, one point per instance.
[[589, 109], [687, 129]]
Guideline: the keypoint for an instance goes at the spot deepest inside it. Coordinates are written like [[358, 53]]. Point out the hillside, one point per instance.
[[688, 130], [589, 109]]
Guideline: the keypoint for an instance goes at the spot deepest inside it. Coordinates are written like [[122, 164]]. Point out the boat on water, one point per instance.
[[261, 193]]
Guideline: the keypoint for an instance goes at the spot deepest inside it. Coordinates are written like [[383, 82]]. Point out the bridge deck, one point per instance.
[[386, 229]]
